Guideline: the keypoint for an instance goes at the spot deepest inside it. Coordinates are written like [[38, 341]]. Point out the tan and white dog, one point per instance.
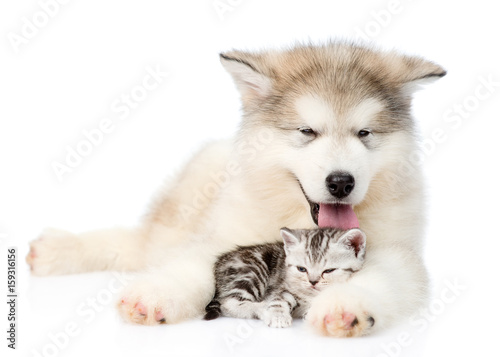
[[325, 133]]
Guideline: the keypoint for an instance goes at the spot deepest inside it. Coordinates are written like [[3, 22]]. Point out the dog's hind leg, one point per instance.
[[58, 252], [177, 213]]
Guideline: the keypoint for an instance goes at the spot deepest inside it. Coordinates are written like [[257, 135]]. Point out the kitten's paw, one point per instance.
[[340, 314], [278, 319], [52, 253], [135, 311]]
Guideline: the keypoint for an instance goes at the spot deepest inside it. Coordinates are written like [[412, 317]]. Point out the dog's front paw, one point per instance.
[[341, 313], [139, 303], [277, 318], [341, 322], [54, 252], [152, 301], [133, 310]]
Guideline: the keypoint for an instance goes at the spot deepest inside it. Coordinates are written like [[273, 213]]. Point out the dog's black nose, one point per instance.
[[340, 184]]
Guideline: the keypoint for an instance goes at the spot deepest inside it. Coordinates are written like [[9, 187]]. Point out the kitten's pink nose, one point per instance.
[[313, 282]]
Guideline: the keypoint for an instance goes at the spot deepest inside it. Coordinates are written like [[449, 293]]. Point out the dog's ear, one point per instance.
[[249, 80], [414, 72]]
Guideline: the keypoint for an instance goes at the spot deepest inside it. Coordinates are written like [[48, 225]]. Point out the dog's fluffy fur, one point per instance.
[[241, 191]]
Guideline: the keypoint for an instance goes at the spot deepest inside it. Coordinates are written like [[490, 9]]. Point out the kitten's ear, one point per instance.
[[251, 83], [354, 239], [290, 238]]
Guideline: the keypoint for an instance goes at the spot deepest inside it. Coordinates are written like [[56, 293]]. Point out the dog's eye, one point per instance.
[[364, 133], [306, 130], [302, 269]]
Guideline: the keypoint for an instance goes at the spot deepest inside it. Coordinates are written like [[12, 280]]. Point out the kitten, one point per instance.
[[275, 282]]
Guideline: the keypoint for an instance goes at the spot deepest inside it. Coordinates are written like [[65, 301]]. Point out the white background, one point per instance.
[[65, 78]]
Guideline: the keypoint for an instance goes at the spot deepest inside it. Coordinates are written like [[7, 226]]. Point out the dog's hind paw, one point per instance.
[[52, 253]]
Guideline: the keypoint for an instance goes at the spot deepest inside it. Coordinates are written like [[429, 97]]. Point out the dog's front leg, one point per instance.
[[176, 291], [390, 287]]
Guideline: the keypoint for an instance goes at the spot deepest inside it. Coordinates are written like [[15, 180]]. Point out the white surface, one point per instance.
[[65, 79]]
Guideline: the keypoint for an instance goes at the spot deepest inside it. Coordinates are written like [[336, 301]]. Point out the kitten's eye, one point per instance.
[[306, 131], [364, 133], [302, 269], [328, 271]]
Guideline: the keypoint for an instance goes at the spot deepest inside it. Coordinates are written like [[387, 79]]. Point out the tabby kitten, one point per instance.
[[275, 282]]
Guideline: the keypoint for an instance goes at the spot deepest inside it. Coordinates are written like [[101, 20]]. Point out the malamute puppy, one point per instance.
[[325, 139]]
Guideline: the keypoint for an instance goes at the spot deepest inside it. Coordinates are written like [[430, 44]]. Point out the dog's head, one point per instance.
[[339, 116]]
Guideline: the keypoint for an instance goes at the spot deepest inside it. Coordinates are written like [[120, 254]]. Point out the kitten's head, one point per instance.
[[316, 258]]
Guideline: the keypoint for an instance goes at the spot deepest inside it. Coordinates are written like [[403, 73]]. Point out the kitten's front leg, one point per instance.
[[277, 310]]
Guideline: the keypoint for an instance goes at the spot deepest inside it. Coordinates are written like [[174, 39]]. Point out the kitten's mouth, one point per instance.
[[334, 215]]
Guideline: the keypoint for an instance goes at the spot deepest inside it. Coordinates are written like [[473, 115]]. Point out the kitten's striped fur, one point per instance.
[[268, 281]]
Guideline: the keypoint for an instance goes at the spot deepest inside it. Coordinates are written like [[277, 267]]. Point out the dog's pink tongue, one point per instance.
[[337, 216]]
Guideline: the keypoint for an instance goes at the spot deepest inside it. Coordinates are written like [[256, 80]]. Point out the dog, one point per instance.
[[325, 134]]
